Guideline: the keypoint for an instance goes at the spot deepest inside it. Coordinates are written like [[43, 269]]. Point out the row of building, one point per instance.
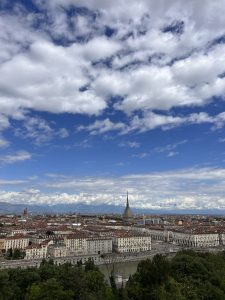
[[77, 243], [194, 237]]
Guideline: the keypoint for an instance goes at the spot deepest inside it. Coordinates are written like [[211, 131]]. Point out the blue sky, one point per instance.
[[100, 97]]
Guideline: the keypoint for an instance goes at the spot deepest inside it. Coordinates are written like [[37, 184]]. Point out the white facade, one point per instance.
[[37, 239], [2, 245], [196, 240], [21, 231], [99, 245], [62, 233], [14, 242], [222, 238], [36, 251], [76, 244], [161, 235], [57, 251], [124, 244]]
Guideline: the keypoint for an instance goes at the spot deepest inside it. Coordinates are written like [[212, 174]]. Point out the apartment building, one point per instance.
[[99, 245], [125, 242], [16, 242], [159, 234], [2, 245], [57, 251], [35, 251], [189, 239], [77, 243]]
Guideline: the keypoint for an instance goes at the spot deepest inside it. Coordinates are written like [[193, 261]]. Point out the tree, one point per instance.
[[18, 254], [9, 253], [15, 254], [90, 265], [49, 290], [5, 290]]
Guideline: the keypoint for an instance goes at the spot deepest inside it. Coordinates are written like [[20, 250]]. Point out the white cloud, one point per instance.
[[191, 81], [151, 121], [200, 68], [19, 156], [141, 155], [102, 126], [144, 88], [169, 147], [63, 133], [4, 143], [4, 122], [100, 48], [150, 69], [196, 188], [13, 43], [39, 130], [172, 153], [5, 182], [37, 73], [48, 72], [130, 144], [84, 144]]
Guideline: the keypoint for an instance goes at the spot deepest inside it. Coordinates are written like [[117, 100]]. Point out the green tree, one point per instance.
[[21, 279], [9, 253], [18, 254], [14, 254], [90, 265], [5, 290], [49, 290]]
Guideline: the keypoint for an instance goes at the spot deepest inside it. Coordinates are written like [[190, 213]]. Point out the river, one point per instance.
[[124, 269]]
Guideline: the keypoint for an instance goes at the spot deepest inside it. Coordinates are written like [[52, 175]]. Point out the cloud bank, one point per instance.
[[196, 188]]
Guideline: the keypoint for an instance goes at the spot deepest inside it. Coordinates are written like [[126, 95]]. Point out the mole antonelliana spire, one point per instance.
[[127, 214]]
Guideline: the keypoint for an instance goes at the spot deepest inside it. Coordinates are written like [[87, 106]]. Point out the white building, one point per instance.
[[159, 234], [57, 251], [77, 243], [36, 251], [22, 231], [99, 245], [38, 238], [196, 239], [131, 243], [16, 242], [222, 238], [62, 232], [2, 245]]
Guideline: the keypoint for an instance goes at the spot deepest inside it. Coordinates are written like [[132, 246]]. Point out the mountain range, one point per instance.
[[10, 208]]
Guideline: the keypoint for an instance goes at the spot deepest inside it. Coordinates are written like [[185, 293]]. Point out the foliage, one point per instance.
[[187, 276], [15, 254], [51, 289], [51, 281], [90, 265]]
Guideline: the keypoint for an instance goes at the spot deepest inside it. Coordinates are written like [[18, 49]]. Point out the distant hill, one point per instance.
[[10, 208]]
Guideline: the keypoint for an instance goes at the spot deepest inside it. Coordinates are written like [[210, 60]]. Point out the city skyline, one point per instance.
[[98, 98]]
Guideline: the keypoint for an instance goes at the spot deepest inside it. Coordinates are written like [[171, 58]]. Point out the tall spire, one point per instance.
[[127, 200], [127, 214]]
